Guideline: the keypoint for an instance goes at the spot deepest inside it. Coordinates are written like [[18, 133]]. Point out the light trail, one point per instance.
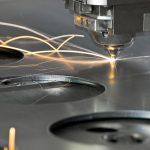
[[54, 38], [23, 28], [54, 50], [81, 48], [42, 35], [57, 59], [40, 40], [1, 42], [67, 40], [73, 52], [64, 36], [138, 57], [41, 63], [57, 50], [34, 31], [76, 46], [112, 70], [43, 41], [15, 48], [28, 37]]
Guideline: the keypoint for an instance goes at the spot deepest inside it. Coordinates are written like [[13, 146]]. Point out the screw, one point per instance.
[[136, 138], [111, 138]]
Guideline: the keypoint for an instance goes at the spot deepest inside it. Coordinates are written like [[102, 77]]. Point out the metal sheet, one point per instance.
[[129, 90], [45, 89], [113, 129]]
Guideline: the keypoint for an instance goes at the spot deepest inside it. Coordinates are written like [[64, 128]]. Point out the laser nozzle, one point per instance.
[[113, 51]]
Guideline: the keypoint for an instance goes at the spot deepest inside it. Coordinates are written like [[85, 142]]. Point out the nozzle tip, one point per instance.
[[113, 51]]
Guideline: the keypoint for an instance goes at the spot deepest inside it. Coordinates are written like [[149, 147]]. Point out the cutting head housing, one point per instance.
[[112, 23]]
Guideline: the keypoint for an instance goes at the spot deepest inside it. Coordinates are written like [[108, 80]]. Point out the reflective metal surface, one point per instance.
[[111, 129], [127, 90], [44, 89]]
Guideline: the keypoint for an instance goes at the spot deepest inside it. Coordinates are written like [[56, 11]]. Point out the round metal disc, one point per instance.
[[43, 89], [114, 128], [8, 55]]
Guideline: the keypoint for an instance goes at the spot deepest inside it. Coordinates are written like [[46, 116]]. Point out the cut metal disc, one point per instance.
[[43, 89], [110, 128]]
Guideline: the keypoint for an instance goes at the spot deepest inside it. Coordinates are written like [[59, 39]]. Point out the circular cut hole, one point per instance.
[[43, 89], [101, 130], [115, 128], [8, 55]]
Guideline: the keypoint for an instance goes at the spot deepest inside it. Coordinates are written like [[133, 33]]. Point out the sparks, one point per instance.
[[95, 59]]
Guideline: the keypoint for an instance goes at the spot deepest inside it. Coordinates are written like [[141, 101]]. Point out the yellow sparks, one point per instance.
[[28, 37], [97, 58], [112, 73]]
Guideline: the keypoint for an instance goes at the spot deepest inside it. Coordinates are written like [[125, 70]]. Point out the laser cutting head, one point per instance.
[[113, 24]]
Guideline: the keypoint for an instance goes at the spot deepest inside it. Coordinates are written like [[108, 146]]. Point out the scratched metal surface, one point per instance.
[[128, 91]]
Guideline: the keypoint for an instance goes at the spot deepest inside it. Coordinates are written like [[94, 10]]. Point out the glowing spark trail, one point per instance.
[[33, 31], [23, 28], [28, 37], [73, 51], [42, 35], [138, 57], [112, 70], [84, 62], [95, 59], [41, 40], [61, 45]]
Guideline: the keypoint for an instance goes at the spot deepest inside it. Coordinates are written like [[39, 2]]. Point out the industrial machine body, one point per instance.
[[113, 24]]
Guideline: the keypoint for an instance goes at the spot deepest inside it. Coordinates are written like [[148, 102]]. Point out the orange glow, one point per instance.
[[78, 19], [112, 70], [111, 48], [12, 136], [28, 37], [97, 59], [5, 148]]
